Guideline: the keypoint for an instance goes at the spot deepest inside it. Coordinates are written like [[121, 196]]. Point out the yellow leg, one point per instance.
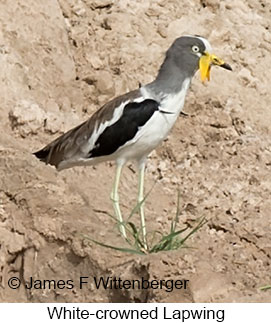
[[140, 201], [115, 199]]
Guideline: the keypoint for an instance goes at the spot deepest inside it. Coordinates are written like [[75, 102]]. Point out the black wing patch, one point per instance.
[[134, 115]]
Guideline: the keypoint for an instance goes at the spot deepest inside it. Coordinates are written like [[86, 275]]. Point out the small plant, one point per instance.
[[265, 287], [156, 241]]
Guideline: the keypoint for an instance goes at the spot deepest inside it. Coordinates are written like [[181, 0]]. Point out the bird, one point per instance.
[[130, 126]]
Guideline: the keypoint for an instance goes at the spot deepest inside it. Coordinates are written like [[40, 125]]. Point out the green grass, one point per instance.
[[157, 241], [265, 287]]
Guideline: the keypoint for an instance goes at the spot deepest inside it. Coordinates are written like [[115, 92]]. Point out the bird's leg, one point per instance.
[[115, 199], [141, 203]]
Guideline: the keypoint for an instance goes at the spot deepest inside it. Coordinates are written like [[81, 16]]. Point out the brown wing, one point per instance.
[[71, 144]]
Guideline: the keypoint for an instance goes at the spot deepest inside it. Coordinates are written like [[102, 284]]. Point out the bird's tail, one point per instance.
[[42, 154]]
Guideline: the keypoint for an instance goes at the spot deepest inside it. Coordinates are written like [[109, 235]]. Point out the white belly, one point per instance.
[[148, 137], [156, 129]]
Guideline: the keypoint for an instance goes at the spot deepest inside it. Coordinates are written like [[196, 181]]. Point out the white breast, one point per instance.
[[157, 128], [174, 102]]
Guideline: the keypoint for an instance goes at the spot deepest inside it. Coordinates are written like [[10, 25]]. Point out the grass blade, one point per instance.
[[265, 287], [133, 251]]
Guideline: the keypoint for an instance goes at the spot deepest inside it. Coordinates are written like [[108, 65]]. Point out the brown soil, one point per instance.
[[60, 61]]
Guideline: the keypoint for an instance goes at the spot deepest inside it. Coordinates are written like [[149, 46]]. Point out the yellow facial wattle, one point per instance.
[[205, 67], [205, 63]]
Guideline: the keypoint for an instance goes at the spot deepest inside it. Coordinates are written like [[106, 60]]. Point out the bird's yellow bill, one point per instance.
[[205, 63]]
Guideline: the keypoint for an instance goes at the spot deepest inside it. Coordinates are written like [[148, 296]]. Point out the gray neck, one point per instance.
[[170, 78]]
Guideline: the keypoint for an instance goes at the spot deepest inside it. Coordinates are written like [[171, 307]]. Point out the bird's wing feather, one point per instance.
[[115, 136], [79, 141]]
